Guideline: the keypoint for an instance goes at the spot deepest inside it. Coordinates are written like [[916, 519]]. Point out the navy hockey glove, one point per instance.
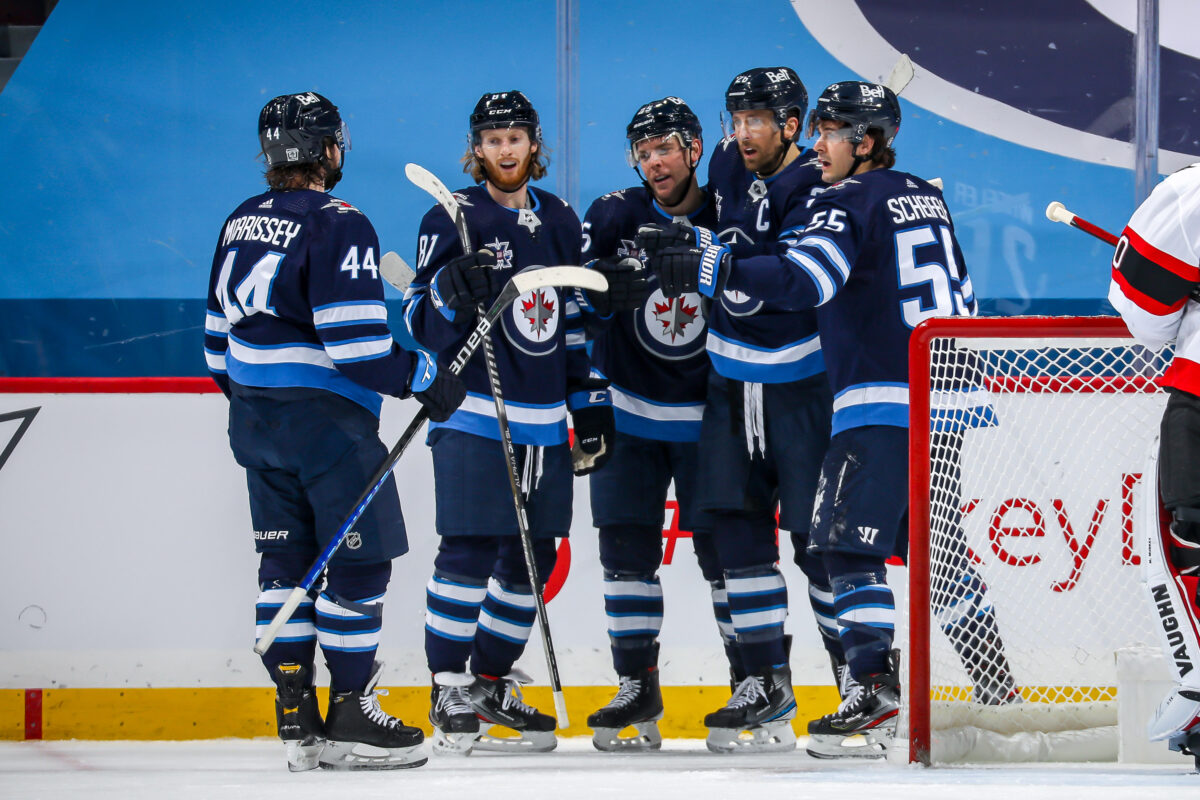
[[439, 390], [464, 282], [691, 269], [595, 428], [653, 239], [628, 285]]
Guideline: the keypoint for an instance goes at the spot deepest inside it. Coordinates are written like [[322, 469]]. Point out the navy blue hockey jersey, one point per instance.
[[753, 338], [539, 342], [654, 355], [876, 257], [295, 300]]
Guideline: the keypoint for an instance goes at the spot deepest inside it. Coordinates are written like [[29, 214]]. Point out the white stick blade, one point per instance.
[[395, 270], [426, 180], [902, 73], [936, 182], [560, 711], [530, 279], [1057, 212]]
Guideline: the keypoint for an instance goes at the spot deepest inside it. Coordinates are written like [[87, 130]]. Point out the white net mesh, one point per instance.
[[1034, 582]]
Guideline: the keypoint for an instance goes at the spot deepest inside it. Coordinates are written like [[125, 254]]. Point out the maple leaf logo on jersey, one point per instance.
[[504, 254], [675, 315], [538, 311]]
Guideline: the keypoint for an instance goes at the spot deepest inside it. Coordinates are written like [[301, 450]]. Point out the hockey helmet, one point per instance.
[[778, 89], [662, 118], [505, 110], [292, 129], [862, 105]]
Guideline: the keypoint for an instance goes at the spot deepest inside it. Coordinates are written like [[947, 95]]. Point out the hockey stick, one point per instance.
[[426, 180], [518, 285], [1057, 212], [902, 73], [396, 271]]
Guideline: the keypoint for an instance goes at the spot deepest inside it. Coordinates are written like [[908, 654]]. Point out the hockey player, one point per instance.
[[766, 422], [480, 605], [296, 336], [1154, 286], [875, 255], [651, 347]]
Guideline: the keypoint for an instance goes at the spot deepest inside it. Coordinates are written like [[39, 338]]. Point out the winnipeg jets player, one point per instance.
[[480, 605], [875, 255], [296, 336], [651, 348], [766, 422]]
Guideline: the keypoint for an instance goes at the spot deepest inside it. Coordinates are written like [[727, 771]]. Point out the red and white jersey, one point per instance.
[[1156, 268]]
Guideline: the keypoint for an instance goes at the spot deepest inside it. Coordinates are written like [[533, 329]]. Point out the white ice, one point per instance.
[[683, 770]]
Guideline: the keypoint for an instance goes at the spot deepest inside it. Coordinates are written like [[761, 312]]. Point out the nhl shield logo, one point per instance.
[[353, 540]]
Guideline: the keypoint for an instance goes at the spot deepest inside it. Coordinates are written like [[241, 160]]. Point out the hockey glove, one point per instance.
[[595, 429], [628, 285], [439, 390], [464, 282], [691, 269], [653, 239]]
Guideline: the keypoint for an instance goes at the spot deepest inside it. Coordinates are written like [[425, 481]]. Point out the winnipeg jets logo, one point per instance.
[[739, 304], [671, 328], [504, 254], [341, 206], [462, 199], [629, 249], [533, 320], [675, 314]]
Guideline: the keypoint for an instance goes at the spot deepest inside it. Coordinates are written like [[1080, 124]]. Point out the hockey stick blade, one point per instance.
[[539, 277], [937, 183], [902, 73], [1057, 212], [396, 271], [427, 181]]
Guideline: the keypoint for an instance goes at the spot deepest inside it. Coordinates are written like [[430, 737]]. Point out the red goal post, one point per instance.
[[1073, 406]]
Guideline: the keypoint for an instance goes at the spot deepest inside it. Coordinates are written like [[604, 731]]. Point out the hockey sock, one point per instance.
[[451, 616], [866, 616], [821, 599], [720, 604], [297, 639], [758, 608], [633, 604], [505, 622], [348, 632], [965, 615]]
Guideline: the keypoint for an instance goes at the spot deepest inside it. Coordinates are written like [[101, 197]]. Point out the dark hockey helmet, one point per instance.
[[505, 110], [778, 89], [862, 105], [292, 129], [662, 118]]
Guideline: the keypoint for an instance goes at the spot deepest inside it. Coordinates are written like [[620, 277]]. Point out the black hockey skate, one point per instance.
[[297, 716], [639, 705], [870, 709], [361, 735], [758, 718], [498, 701], [455, 726]]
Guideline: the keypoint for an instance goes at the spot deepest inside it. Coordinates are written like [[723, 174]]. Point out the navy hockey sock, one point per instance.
[[297, 639], [452, 605], [633, 604], [505, 622], [758, 608], [866, 616], [348, 632]]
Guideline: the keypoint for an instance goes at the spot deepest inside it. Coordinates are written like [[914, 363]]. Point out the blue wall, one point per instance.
[[129, 132]]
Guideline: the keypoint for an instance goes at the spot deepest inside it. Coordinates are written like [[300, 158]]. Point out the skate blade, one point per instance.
[[772, 737], [523, 742], [453, 744], [829, 746], [645, 738], [353, 756], [304, 754]]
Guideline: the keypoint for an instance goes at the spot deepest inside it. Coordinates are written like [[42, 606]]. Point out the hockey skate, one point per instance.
[[498, 701], [638, 704], [361, 735], [455, 726], [758, 718], [869, 710], [297, 716]]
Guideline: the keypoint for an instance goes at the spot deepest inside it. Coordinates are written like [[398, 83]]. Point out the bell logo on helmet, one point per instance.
[[307, 99], [869, 90], [777, 77]]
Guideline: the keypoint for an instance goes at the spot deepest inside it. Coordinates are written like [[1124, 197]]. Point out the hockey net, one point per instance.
[[1028, 438]]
